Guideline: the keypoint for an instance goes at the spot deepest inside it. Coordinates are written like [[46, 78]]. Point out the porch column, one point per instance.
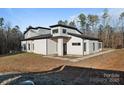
[[60, 46]]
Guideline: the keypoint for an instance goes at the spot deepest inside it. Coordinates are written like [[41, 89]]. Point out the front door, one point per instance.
[[64, 48]]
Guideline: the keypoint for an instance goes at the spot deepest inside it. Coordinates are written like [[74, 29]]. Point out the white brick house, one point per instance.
[[59, 39]]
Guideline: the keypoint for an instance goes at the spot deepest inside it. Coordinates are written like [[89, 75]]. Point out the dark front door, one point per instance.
[[64, 48]]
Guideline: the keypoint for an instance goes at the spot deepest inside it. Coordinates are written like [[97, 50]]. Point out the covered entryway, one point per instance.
[[61, 45]]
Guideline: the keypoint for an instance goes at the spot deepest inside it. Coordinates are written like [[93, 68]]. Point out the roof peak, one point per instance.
[[66, 26], [38, 27], [62, 25]]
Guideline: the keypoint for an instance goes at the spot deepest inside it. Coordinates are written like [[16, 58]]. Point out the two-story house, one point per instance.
[[59, 39]]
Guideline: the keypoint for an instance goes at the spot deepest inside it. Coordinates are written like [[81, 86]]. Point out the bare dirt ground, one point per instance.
[[27, 62], [110, 61], [104, 69]]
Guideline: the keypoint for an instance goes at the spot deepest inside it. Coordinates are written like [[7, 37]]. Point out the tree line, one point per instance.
[[109, 31], [10, 38]]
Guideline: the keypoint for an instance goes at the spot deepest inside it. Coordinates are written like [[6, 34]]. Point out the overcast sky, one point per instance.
[[45, 17]]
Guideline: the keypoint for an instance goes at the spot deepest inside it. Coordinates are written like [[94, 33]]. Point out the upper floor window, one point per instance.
[[64, 30], [76, 44], [55, 31]]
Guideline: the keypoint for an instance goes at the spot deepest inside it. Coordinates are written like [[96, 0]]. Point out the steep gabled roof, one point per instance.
[[35, 28], [66, 26]]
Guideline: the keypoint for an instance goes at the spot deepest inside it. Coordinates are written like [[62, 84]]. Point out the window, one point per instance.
[[24, 46], [33, 46], [55, 31], [100, 45], [76, 44], [64, 30], [84, 46], [93, 46], [28, 46]]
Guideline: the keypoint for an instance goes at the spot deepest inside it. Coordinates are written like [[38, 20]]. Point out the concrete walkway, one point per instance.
[[80, 58]]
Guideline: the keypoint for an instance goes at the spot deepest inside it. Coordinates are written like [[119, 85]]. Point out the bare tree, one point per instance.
[[122, 25], [82, 21], [10, 38]]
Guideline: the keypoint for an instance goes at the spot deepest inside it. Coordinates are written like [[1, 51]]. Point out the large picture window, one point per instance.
[[76, 44], [55, 31]]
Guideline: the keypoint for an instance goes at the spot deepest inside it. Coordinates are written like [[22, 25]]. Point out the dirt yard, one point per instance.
[[27, 62], [110, 61]]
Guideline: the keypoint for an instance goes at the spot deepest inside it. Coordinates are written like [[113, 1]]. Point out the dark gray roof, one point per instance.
[[39, 37], [45, 36], [66, 26], [83, 36], [35, 28]]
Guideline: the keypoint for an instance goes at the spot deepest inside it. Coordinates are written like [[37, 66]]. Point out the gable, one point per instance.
[[36, 32]]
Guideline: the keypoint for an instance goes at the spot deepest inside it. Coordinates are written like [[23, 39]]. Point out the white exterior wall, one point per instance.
[[55, 34], [60, 47], [60, 33], [31, 48], [69, 30], [91, 46], [22, 43], [52, 47], [97, 46], [75, 50], [27, 47], [87, 47], [40, 46], [100, 49], [49, 46]]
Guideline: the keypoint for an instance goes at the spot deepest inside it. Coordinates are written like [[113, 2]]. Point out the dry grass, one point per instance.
[[110, 61], [26, 62]]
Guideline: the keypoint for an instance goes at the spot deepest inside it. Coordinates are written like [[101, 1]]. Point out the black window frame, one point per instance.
[[76, 44], [64, 31], [54, 31]]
